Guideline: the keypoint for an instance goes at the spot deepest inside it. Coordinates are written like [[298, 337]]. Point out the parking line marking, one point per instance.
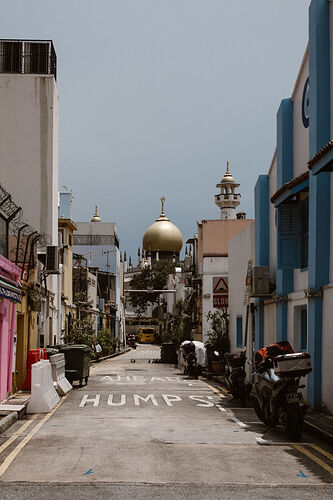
[[216, 391], [240, 423], [314, 458], [11, 457], [323, 452], [220, 408], [18, 433]]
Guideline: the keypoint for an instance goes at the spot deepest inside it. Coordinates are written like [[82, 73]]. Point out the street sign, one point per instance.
[[220, 301], [220, 285], [220, 292]]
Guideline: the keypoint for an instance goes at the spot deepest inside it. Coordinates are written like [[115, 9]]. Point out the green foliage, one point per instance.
[[83, 332], [181, 326], [218, 336], [155, 277], [107, 341]]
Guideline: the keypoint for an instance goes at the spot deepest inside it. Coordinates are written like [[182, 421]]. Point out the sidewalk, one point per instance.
[[318, 423]]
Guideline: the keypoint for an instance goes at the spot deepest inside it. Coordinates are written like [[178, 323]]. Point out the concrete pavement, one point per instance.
[[144, 423]]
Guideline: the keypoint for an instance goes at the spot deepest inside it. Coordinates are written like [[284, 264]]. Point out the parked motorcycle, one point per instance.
[[278, 397], [131, 341], [235, 375], [190, 359]]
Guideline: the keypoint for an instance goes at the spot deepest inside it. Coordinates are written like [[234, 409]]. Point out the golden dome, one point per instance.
[[227, 176], [163, 235], [96, 217]]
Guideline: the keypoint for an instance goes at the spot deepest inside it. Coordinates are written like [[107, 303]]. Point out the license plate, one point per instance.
[[293, 398]]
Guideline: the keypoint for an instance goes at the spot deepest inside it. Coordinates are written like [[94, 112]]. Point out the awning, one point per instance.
[[290, 189], [11, 292], [323, 160]]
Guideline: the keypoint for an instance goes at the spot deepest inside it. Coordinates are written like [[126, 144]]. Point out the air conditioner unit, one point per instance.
[[260, 282], [52, 262]]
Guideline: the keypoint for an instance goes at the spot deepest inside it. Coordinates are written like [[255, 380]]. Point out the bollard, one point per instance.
[[43, 394], [58, 374]]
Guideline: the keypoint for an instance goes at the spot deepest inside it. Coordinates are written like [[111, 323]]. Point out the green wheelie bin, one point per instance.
[[77, 362]]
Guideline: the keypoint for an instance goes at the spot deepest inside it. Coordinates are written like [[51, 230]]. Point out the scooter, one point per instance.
[[278, 398], [131, 341], [235, 375], [191, 361]]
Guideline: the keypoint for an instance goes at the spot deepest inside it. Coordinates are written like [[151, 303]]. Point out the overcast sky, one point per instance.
[[157, 95]]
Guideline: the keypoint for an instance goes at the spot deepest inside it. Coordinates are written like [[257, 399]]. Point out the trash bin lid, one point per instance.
[[76, 347]]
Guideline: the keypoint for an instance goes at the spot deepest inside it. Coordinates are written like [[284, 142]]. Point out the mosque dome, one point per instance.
[[163, 236]]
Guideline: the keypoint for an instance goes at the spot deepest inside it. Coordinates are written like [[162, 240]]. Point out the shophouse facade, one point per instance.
[[293, 211], [97, 242]]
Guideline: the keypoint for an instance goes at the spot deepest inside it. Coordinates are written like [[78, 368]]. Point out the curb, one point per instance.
[[8, 421], [114, 355]]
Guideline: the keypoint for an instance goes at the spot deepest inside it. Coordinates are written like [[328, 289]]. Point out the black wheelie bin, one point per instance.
[[77, 362]]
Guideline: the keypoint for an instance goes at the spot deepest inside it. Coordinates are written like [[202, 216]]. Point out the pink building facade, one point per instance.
[[10, 295]]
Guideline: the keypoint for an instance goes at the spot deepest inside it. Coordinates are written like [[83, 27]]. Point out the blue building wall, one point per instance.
[[319, 200]]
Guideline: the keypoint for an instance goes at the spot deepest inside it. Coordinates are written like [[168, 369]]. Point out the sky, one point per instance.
[[157, 95]]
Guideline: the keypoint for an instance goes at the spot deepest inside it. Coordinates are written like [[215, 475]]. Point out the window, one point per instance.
[[304, 232], [293, 234], [239, 331], [304, 329]]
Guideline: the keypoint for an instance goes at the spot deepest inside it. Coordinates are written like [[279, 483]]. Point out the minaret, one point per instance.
[[228, 199], [96, 217]]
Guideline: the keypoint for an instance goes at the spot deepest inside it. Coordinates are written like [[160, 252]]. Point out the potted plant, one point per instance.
[[218, 342]]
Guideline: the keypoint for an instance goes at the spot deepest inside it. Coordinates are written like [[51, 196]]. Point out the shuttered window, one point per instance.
[[289, 236], [305, 232]]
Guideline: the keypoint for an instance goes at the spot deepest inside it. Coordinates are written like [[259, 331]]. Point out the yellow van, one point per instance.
[[146, 335]]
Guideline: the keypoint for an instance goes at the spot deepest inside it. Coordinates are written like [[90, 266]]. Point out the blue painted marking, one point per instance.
[[301, 474], [90, 471]]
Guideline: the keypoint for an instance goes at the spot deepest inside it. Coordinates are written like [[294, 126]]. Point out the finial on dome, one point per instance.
[[227, 176], [162, 201], [96, 217]]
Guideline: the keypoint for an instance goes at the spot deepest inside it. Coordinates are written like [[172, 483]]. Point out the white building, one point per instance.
[[98, 243], [29, 148], [212, 252]]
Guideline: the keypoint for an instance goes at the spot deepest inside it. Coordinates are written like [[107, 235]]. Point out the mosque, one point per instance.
[[162, 241]]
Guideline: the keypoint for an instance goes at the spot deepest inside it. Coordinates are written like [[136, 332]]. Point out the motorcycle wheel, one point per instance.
[[260, 414], [294, 421]]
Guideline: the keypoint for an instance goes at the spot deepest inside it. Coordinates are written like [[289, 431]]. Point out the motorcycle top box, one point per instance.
[[292, 365], [235, 360]]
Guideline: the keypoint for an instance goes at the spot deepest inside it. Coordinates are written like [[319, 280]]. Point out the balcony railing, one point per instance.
[[28, 57]]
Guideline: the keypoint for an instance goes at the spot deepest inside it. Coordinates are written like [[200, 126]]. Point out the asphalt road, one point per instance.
[[142, 430]]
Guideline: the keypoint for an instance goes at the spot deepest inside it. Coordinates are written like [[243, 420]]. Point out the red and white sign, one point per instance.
[[220, 292]]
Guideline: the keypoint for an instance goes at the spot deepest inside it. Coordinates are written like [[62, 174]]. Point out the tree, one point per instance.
[[154, 277], [83, 332], [218, 336]]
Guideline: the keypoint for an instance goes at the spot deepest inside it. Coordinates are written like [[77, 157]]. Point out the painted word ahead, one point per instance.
[[138, 400]]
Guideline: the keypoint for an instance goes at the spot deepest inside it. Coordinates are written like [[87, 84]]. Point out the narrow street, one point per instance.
[[142, 430]]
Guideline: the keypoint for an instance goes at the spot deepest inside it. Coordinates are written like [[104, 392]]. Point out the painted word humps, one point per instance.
[[137, 400]]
